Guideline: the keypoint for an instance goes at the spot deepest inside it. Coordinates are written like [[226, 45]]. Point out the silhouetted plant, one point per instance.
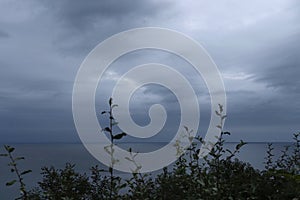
[[64, 183], [139, 186], [13, 164], [110, 149], [269, 158], [219, 175]]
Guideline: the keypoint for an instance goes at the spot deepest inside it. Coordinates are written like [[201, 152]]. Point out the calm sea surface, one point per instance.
[[39, 155]]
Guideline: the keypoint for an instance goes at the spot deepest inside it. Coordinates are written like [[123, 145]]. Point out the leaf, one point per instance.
[[106, 149], [219, 126], [229, 151], [4, 154], [110, 101], [129, 159], [9, 149], [26, 172], [195, 156], [186, 128], [13, 164], [226, 133], [11, 182], [224, 116], [119, 136], [201, 182], [217, 113], [115, 123], [221, 108], [113, 106], [19, 158], [107, 129], [103, 112], [238, 146]]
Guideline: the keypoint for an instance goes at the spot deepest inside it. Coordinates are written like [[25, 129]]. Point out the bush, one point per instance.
[[219, 175]]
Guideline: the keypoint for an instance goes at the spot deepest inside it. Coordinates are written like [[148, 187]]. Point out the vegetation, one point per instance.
[[219, 175], [14, 169]]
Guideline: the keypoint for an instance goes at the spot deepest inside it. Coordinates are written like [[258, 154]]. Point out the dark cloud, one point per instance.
[[82, 15], [280, 66], [84, 24], [255, 45]]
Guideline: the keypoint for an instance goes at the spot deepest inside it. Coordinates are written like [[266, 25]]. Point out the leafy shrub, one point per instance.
[[219, 175]]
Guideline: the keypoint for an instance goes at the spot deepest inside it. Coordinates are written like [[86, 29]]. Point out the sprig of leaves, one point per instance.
[[13, 164]]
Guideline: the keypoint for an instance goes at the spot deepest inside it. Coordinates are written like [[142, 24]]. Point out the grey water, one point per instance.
[[40, 155]]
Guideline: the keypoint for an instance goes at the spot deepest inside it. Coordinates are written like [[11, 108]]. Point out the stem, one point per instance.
[[22, 184], [112, 143]]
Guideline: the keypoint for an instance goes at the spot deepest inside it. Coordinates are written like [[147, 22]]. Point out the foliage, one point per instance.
[[63, 183], [219, 175], [14, 169], [114, 181]]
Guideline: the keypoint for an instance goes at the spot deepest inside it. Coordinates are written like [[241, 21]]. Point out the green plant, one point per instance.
[[62, 184], [110, 149], [13, 164], [219, 175], [140, 186]]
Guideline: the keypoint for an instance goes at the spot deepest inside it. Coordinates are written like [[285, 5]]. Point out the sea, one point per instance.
[[57, 155]]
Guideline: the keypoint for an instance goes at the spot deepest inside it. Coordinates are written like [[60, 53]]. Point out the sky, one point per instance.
[[255, 45]]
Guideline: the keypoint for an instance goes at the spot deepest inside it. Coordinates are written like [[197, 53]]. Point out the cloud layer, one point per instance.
[[255, 45]]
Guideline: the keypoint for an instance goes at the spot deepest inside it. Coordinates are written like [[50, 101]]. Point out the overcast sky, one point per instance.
[[255, 45]]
